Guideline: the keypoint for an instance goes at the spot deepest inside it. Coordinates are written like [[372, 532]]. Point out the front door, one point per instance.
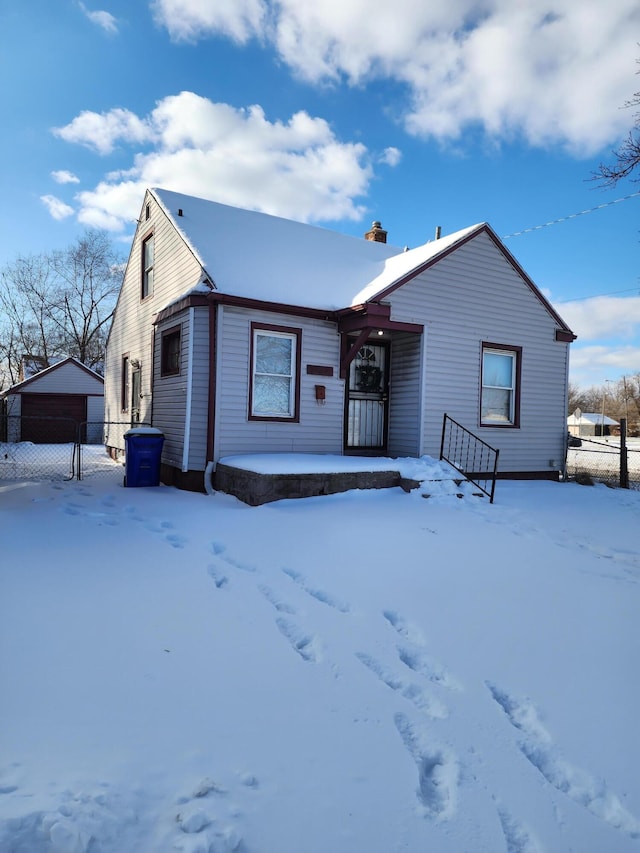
[[367, 397]]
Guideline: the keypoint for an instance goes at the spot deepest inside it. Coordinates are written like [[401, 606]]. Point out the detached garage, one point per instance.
[[48, 407]]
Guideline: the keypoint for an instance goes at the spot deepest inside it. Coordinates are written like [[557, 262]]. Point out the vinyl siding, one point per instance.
[[475, 295], [319, 429], [175, 272], [404, 395], [170, 392], [66, 379]]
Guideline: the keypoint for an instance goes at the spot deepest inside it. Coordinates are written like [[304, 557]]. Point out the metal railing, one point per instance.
[[50, 448], [470, 455]]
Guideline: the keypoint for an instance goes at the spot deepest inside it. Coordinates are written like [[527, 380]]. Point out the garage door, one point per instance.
[[52, 418]]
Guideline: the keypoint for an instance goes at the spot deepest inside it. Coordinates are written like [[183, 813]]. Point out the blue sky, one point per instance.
[[338, 113]]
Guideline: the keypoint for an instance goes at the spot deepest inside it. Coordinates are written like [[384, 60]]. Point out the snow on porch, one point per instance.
[[257, 478]]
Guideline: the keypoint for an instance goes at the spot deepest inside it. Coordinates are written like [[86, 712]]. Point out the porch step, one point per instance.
[[440, 492]]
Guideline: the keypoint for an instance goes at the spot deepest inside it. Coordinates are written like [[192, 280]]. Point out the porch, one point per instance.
[[257, 479]]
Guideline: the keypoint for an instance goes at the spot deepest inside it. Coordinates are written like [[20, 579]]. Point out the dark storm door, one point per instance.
[[367, 397]]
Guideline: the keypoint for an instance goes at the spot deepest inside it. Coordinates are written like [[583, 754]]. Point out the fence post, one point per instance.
[[624, 461]]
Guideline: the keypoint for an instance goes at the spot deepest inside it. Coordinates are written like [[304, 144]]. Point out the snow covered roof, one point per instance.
[[70, 360], [591, 418], [317, 268]]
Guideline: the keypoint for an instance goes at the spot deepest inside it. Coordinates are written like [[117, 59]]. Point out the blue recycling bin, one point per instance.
[[142, 456]]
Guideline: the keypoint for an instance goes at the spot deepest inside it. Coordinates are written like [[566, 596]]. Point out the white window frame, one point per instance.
[[294, 336]]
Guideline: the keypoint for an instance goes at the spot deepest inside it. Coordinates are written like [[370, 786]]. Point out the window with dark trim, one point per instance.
[[147, 266], [124, 384], [274, 390], [170, 352], [500, 385]]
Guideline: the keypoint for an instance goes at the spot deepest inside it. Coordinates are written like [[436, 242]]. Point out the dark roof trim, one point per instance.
[[367, 320], [190, 301], [565, 337], [373, 315], [273, 307], [484, 228], [36, 376]]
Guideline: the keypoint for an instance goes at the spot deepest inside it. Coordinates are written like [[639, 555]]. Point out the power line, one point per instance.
[[570, 216], [597, 295]]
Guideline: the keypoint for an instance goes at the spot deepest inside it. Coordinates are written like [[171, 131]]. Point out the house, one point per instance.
[[48, 406], [237, 332], [591, 424]]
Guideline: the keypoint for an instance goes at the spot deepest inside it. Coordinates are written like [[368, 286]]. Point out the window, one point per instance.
[[170, 352], [275, 371], [147, 266], [124, 384], [500, 405]]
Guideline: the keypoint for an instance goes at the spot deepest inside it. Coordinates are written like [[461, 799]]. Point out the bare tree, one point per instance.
[[59, 304], [627, 156], [89, 275]]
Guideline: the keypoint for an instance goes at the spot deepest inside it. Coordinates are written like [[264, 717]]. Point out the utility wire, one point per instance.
[[570, 216], [596, 295]]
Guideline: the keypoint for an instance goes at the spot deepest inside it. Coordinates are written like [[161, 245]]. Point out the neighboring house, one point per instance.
[[591, 423], [237, 332], [47, 407]]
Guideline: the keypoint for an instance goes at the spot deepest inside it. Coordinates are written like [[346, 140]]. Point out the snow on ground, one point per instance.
[[369, 671]]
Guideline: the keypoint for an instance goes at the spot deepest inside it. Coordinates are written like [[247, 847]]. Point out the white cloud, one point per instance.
[[603, 317], [297, 169], [64, 177], [592, 365], [391, 156], [554, 77], [105, 20], [190, 20], [57, 208], [101, 131]]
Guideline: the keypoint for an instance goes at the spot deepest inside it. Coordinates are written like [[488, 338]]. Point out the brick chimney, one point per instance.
[[377, 233]]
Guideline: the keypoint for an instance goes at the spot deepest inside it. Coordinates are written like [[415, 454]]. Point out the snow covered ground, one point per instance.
[[370, 671]]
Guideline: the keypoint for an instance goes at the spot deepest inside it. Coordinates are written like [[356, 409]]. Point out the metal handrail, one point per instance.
[[476, 460]]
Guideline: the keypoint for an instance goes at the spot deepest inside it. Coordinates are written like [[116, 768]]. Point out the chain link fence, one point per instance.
[[48, 448], [605, 460]]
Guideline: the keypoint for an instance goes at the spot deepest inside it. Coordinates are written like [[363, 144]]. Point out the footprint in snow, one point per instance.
[[219, 549], [319, 595], [71, 509], [409, 690], [175, 540], [425, 665], [275, 601], [306, 645], [205, 821], [518, 837], [406, 629], [413, 656], [219, 579], [537, 746], [438, 771]]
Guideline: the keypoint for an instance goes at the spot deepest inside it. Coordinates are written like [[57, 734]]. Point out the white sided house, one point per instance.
[[237, 332], [49, 406]]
